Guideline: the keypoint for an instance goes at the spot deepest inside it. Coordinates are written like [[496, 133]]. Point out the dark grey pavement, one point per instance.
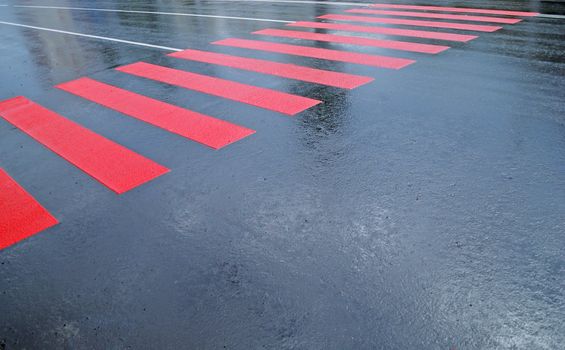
[[425, 210]]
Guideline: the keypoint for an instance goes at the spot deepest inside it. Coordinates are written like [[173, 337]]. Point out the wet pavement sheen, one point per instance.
[[424, 210]]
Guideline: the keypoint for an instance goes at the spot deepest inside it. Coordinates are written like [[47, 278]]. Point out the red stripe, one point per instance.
[[326, 54], [113, 165], [437, 15], [409, 22], [201, 128], [21, 216], [385, 30], [256, 96], [457, 9], [352, 40], [286, 70]]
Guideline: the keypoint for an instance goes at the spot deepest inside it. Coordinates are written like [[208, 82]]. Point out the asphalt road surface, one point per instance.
[[287, 189]]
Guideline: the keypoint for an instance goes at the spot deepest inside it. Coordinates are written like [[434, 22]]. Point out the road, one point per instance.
[[412, 201]]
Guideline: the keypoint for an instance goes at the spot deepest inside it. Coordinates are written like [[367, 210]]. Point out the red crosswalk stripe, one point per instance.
[[257, 96], [385, 30], [352, 40], [286, 70], [210, 131], [437, 15], [410, 22], [457, 9], [313, 52], [21, 216], [113, 165]]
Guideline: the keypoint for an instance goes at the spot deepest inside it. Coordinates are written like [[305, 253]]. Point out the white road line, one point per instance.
[[224, 17], [330, 3], [153, 12], [552, 16], [93, 36]]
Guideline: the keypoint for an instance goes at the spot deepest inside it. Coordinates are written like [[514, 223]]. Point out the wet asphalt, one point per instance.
[[425, 210]]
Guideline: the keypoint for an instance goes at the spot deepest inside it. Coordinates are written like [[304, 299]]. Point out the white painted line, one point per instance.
[[93, 36], [154, 12], [551, 16], [329, 3]]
